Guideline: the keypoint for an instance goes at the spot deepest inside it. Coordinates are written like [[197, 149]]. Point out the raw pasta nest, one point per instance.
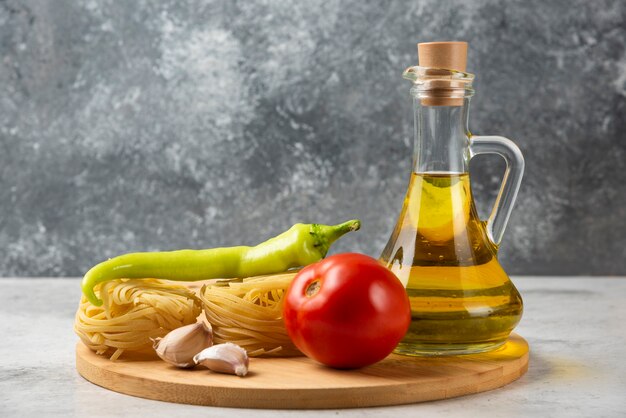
[[133, 312], [248, 312]]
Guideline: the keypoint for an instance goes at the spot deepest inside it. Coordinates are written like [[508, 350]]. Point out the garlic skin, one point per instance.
[[224, 358], [180, 345]]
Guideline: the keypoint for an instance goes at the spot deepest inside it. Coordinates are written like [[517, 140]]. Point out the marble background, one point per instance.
[[145, 125]]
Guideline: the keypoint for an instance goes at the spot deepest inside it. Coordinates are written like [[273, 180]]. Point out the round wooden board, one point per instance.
[[300, 383]]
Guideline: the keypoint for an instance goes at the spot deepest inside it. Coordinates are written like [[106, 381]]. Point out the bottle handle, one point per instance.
[[499, 217]]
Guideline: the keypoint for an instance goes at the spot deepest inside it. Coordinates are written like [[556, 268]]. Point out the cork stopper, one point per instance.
[[448, 55], [445, 55]]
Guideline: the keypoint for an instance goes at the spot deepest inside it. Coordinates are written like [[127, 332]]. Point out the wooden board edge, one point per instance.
[[310, 399]]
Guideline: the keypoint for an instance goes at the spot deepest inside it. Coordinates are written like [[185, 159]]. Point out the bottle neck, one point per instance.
[[441, 138]]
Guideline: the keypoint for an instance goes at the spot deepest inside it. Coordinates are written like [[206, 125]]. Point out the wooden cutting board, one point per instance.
[[300, 383]]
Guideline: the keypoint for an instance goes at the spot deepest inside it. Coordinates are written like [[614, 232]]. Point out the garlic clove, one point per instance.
[[224, 358], [180, 345]]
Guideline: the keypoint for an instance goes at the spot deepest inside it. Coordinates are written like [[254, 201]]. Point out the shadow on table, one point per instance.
[[550, 367]]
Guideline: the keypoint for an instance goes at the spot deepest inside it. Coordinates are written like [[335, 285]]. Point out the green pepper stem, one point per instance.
[[337, 231], [327, 234]]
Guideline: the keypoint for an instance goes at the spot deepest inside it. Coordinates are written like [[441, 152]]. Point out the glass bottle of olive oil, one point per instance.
[[462, 301]]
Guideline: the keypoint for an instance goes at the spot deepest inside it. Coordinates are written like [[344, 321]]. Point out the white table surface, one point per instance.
[[576, 328]]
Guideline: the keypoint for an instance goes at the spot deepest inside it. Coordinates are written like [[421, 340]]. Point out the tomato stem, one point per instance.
[[313, 288]]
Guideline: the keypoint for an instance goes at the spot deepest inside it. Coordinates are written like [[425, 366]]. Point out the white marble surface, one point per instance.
[[575, 326]]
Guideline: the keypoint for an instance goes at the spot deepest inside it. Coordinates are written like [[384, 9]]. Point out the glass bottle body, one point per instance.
[[462, 301]]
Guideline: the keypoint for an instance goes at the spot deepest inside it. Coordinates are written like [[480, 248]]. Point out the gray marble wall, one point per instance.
[[145, 125]]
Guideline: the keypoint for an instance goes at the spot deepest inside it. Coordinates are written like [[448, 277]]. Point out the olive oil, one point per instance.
[[462, 301]]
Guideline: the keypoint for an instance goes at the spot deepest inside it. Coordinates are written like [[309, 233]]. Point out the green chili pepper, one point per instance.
[[301, 245]]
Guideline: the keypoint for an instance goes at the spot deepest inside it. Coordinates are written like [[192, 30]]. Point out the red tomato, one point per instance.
[[346, 311]]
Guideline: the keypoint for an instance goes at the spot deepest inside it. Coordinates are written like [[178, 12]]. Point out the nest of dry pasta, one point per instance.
[[248, 312], [132, 313]]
